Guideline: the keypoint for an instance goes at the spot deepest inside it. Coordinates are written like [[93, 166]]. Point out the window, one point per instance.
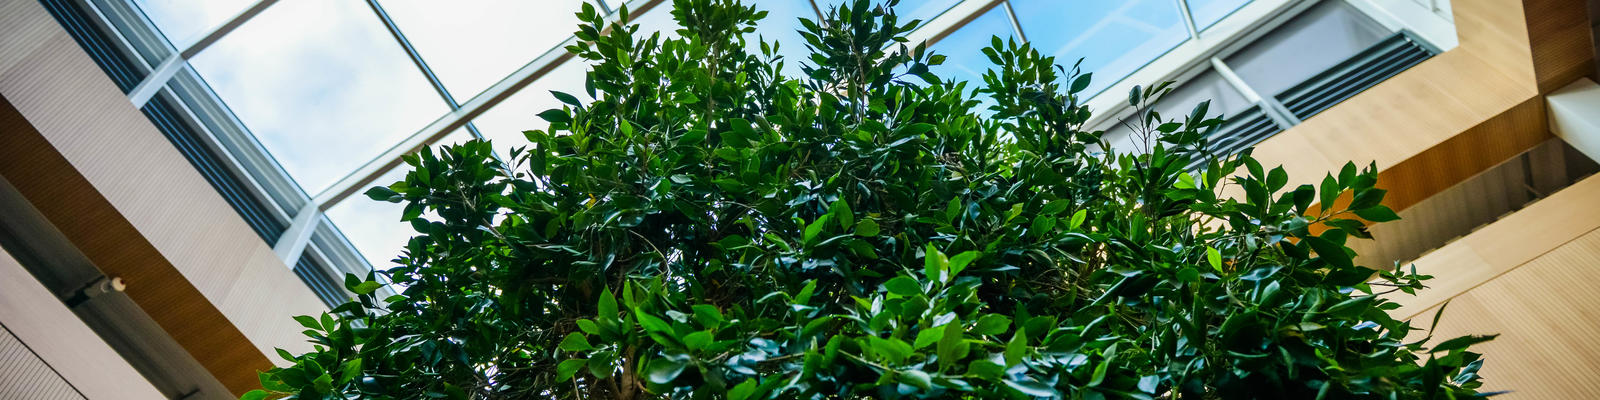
[[1208, 12], [374, 227], [322, 85], [782, 25], [470, 45], [963, 48], [907, 10], [1113, 38], [503, 124], [185, 21]]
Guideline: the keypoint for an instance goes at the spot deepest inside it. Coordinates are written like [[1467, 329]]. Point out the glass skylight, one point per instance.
[[1208, 12], [472, 44], [322, 85], [1113, 38], [185, 21], [331, 95], [963, 48], [782, 25], [503, 124]]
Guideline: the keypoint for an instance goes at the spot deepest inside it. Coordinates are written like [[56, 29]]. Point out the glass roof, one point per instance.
[[327, 87], [322, 85], [1113, 38], [963, 49], [472, 44], [185, 21]]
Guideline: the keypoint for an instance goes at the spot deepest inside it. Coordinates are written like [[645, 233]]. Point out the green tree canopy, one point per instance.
[[707, 228]]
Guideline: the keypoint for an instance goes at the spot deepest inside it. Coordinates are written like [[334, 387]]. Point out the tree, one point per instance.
[[707, 228]]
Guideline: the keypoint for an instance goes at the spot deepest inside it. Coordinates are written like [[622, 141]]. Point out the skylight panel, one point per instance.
[[470, 45], [322, 85]]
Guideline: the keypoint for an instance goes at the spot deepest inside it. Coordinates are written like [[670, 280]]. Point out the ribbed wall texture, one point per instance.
[[24, 376]]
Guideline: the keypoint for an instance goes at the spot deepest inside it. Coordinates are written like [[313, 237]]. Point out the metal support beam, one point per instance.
[[147, 88], [416, 59], [294, 240], [475, 106], [1270, 106], [1188, 18]]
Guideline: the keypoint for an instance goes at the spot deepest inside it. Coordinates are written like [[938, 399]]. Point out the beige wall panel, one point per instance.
[[61, 340], [1506, 244], [1546, 312], [123, 194]]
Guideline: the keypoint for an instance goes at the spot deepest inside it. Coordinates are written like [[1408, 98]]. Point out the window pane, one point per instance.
[[1175, 106], [1208, 12], [503, 124], [907, 9], [374, 227], [1225, 100], [470, 45], [1113, 38], [963, 48], [782, 25], [322, 85], [656, 19], [184, 21], [1312, 42]]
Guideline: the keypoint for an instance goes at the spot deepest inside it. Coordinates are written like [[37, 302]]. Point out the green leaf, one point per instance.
[[867, 228], [915, 378], [1081, 83], [934, 264], [708, 315], [841, 211], [960, 261], [697, 340], [568, 368], [1351, 308], [308, 322], [1368, 198], [992, 324], [663, 370], [805, 293], [951, 345], [1461, 343], [903, 286], [1189, 274], [1077, 219], [566, 98], [928, 337], [257, 394], [366, 287], [1377, 214], [1214, 257], [1332, 253], [382, 193], [1016, 347], [555, 116], [1330, 190], [815, 228], [743, 390], [575, 342], [1032, 388], [608, 304]]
